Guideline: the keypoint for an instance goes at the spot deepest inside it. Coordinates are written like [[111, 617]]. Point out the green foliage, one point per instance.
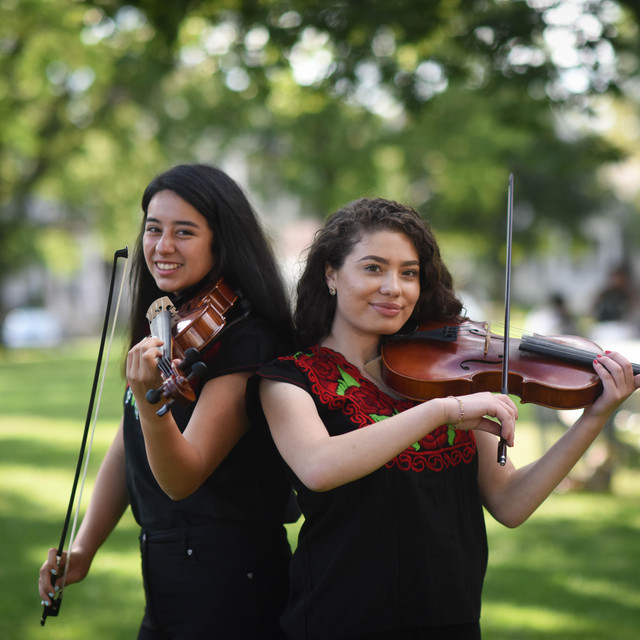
[[431, 103]]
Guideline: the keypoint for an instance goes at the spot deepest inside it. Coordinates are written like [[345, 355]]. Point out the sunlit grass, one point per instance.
[[570, 572], [44, 399]]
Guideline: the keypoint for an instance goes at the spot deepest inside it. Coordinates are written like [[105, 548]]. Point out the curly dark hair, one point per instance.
[[315, 307], [243, 254]]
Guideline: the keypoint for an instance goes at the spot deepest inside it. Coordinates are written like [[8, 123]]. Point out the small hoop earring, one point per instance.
[[332, 291]]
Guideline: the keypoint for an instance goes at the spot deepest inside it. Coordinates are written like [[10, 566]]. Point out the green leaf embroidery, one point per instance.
[[376, 417], [345, 382]]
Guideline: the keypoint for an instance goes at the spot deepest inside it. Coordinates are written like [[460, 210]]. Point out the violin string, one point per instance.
[[496, 329], [164, 361], [542, 345], [164, 364]]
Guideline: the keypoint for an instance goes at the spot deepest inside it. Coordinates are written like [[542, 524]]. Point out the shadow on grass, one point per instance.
[[61, 455], [559, 577], [58, 389], [107, 604]]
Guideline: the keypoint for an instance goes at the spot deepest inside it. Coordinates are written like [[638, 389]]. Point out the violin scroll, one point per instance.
[[188, 332]]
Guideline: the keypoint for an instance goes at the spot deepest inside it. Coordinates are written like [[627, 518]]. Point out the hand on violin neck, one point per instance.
[[618, 383], [142, 366]]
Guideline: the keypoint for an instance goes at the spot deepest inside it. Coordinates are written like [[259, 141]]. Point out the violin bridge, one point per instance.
[[160, 315], [487, 337], [158, 306]]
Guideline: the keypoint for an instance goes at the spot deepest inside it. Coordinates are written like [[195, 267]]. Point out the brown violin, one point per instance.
[[443, 359], [189, 333]]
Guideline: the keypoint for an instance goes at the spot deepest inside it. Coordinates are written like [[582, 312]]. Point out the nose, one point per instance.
[[165, 243], [390, 284]]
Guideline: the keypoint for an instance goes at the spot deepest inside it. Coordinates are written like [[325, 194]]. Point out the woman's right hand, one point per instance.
[[78, 569], [470, 412]]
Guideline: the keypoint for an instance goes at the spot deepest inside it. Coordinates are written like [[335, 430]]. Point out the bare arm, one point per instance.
[[511, 495], [323, 462], [181, 462], [108, 502]]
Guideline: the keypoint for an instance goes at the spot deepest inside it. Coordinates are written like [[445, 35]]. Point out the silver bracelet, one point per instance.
[[457, 425]]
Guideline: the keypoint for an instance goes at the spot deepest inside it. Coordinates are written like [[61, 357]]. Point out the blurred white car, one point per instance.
[[31, 327]]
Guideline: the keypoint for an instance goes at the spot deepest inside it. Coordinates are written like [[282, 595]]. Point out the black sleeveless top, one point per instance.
[[250, 485]]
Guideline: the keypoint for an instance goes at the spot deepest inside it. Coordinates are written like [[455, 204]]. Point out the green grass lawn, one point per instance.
[[571, 571]]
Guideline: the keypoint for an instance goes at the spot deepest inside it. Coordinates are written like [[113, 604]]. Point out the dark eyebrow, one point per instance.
[[406, 263], [184, 223]]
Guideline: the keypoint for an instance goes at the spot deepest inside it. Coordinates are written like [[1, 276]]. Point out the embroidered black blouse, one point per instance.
[[404, 546]]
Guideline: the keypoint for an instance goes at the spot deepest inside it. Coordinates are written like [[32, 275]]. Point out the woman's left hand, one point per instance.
[[142, 366], [618, 383]]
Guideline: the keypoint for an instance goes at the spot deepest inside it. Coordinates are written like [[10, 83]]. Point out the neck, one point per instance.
[[363, 355], [358, 351]]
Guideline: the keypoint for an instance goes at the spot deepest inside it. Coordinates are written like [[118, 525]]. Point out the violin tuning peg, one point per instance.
[[197, 370], [153, 396], [191, 356], [164, 408]]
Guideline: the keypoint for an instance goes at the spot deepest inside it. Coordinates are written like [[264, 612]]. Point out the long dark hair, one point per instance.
[[315, 307], [243, 255]]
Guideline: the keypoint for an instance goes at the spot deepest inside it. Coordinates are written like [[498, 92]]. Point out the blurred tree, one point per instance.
[[75, 144], [432, 103]]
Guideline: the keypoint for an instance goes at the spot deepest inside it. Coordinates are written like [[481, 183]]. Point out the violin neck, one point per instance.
[[561, 351], [159, 316]]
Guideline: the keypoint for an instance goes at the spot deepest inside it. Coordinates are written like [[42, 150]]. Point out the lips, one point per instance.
[[387, 308]]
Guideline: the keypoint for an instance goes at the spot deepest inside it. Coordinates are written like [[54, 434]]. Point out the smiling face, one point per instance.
[[177, 243], [377, 286]]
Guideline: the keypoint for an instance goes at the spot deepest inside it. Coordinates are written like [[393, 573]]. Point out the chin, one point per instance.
[[390, 328], [167, 287]]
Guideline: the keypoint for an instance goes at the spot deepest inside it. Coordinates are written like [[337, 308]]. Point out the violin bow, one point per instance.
[[502, 445], [54, 608]]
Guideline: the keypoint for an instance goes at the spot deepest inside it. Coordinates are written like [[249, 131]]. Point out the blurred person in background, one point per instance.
[[615, 308], [552, 319]]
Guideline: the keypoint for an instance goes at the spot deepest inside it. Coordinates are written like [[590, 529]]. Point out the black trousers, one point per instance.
[[223, 581], [448, 632]]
